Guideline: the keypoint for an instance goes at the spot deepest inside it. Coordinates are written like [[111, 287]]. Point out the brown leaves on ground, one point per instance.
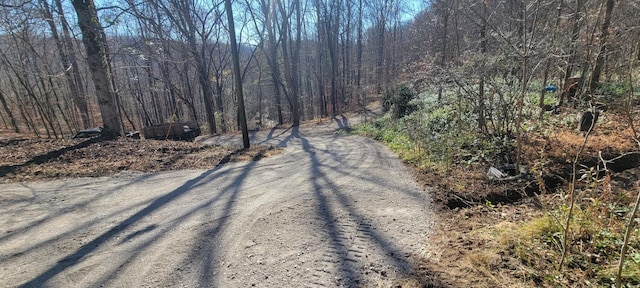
[[40, 159], [612, 135]]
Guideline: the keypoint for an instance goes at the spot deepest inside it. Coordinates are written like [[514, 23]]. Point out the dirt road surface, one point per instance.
[[333, 210]]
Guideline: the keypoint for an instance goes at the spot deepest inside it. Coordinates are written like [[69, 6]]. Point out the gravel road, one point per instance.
[[333, 210]]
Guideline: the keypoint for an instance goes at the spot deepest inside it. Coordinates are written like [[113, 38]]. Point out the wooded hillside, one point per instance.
[[170, 60]]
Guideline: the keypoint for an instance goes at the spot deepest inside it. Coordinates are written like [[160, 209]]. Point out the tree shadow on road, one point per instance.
[[208, 252], [232, 191], [271, 136], [205, 251], [55, 212], [343, 122], [341, 247]]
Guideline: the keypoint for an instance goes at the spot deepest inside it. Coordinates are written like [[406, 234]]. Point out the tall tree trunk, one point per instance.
[[524, 83], [220, 102], [320, 56], [575, 34], [204, 76], [6, 109], [295, 65], [482, 125], [270, 22], [604, 34], [347, 75], [359, 49], [95, 43], [207, 92], [237, 75], [443, 52], [456, 26], [81, 100], [332, 43], [545, 77], [68, 61], [382, 29]]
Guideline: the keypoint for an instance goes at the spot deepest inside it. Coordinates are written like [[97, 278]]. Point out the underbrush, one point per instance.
[[424, 141], [594, 248]]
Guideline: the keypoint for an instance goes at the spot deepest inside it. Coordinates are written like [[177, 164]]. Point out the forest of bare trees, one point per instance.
[[171, 60], [151, 62]]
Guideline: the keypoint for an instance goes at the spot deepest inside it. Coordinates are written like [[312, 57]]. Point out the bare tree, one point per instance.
[[267, 13], [5, 107], [67, 59], [291, 55], [604, 35], [95, 43], [237, 75]]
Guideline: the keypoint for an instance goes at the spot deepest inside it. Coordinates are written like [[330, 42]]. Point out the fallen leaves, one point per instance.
[[40, 159]]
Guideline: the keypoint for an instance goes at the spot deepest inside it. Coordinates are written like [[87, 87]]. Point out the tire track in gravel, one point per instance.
[[349, 240], [347, 162], [345, 249]]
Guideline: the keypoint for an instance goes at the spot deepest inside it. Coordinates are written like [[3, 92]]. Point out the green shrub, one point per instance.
[[398, 101]]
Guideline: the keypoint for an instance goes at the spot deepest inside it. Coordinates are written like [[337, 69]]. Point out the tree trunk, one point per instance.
[[575, 34], [95, 43], [443, 58], [550, 59], [295, 65], [359, 49], [207, 94], [382, 29], [220, 102], [69, 62], [237, 75], [270, 22], [320, 56], [524, 83], [604, 34], [204, 77], [482, 125], [6, 108], [332, 43]]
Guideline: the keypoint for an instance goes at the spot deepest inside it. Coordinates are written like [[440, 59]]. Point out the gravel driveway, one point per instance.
[[332, 210]]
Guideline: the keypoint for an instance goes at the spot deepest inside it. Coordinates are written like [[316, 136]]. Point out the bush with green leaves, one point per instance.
[[398, 101], [431, 137]]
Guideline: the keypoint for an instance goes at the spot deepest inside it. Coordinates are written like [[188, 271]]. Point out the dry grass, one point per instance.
[[469, 249], [561, 145], [519, 246]]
